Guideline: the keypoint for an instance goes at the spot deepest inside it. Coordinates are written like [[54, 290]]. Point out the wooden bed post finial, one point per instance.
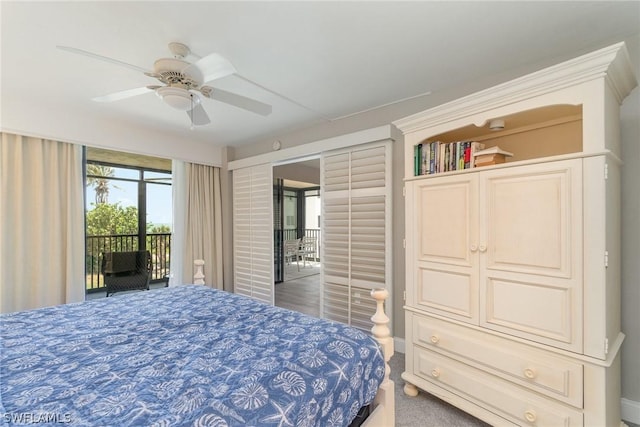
[[385, 398], [198, 277]]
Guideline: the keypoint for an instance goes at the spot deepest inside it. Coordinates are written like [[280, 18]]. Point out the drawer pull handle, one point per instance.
[[483, 248], [435, 373], [435, 339], [473, 248], [530, 416], [530, 373]]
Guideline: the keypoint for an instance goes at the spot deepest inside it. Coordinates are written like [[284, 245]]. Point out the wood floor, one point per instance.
[[300, 291]]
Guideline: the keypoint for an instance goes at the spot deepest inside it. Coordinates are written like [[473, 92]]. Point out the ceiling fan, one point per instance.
[[183, 82]]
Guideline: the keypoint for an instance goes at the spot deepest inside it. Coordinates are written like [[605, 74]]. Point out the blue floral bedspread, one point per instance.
[[184, 355]]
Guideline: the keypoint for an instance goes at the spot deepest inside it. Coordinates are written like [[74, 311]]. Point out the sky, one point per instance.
[[126, 193]]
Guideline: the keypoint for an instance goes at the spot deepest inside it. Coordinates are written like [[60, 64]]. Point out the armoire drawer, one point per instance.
[[501, 397], [524, 365]]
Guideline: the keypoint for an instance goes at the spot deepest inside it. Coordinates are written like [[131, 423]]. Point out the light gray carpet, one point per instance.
[[425, 410]]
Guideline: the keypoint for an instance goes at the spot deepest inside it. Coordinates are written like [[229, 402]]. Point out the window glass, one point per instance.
[[312, 208], [158, 177], [158, 207], [117, 172], [290, 210]]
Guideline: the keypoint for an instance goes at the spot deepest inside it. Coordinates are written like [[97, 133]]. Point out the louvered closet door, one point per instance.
[[356, 221], [253, 232]]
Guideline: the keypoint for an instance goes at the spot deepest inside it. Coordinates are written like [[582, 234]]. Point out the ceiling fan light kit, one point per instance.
[[178, 98]]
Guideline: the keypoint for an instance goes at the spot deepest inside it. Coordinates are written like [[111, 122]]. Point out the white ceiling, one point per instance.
[[334, 59]]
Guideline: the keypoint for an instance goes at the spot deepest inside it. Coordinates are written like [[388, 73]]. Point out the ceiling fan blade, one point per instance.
[[211, 67], [198, 116], [102, 58], [240, 101], [116, 96]]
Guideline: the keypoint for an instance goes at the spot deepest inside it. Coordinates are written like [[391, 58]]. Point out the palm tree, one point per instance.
[[97, 177]]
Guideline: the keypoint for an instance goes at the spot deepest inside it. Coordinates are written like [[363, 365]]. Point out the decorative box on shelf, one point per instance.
[[491, 156]]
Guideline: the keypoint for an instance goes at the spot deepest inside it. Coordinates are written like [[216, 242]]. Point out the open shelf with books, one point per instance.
[[532, 134]]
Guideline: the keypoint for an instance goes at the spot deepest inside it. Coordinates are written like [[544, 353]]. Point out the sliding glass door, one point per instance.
[[127, 208]]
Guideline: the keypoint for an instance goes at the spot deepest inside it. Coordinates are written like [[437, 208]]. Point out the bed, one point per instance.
[[190, 355]]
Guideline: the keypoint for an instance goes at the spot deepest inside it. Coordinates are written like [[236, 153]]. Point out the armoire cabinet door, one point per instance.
[[530, 257], [445, 256], [500, 249]]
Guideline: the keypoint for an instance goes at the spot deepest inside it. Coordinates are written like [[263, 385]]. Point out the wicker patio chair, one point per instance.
[[126, 271]]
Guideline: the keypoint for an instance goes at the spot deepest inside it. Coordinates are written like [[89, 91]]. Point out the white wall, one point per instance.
[[630, 117], [630, 129], [49, 121], [298, 172]]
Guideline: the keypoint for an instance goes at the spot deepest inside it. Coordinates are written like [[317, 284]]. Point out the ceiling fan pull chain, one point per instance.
[[191, 113]]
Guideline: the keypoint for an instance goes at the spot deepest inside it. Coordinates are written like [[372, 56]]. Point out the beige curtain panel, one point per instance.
[[41, 223], [198, 217]]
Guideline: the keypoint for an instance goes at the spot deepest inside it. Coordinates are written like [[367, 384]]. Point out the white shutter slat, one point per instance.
[[336, 173], [369, 154], [337, 165], [252, 235], [368, 169], [368, 225], [242, 223], [362, 305], [336, 302], [335, 260], [355, 195]]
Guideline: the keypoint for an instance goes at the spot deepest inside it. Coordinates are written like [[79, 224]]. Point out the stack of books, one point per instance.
[[436, 157], [491, 156]]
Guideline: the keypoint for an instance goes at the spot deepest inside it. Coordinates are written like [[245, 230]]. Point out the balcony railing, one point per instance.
[[158, 244], [290, 234]]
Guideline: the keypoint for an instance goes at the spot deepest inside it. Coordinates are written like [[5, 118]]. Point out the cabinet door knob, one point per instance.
[[435, 373], [530, 373], [473, 248], [530, 415], [483, 248], [435, 339]]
